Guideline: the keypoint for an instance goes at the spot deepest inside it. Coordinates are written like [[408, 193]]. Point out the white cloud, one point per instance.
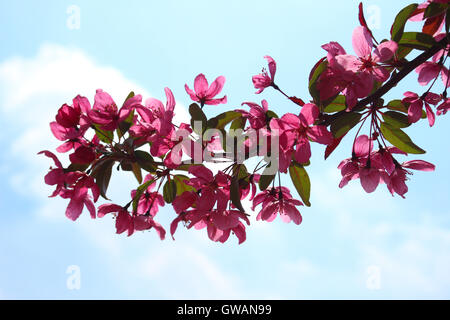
[[199, 274]]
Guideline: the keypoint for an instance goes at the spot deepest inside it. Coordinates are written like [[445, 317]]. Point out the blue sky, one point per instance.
[[347, 237]]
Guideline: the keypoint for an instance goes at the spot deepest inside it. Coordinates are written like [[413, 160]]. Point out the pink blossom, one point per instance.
[[56, 176], [353, 85], [429, 71], [149, 201], [397, 179], [219, 224], [416, 104], [264, 80], [205, 93], [354, 76], [443, 107], [83, 155], [71, 123], [297, 131], [364, 165], [130, 223], [375, 167], [251, 187], [368, 61], [257, 114], [277, 200], [79, 197], [105, 112]]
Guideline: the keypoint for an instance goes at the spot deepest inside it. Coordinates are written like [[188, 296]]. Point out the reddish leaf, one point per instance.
[[362, 20], [432, 25], [331, 147], [298, 101]]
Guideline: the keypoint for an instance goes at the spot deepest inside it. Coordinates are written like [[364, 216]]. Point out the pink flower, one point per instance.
[[353, 85], [251, 187], [352, 75], [368, 61], [130, 223], [431, 69], [79, 197], [73, 186], [71, 123], [363, 165], [219, 224], [375, 167], [277, 200], [264, 80], [83, 155], [257, 114], [204, 94], [149, 201], [209, 206], [416, 104], [334, 49], [443, 107], [162, 116], [398, 177], [297, 131], [105, 112], [213, 189], [56, 176]]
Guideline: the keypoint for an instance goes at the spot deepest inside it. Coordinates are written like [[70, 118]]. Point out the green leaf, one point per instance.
[[242, 173], [434, 9], [197, 115], [136, 171], [180, 181], [400, 20], [238, 123], [397, 105], [139, 191], [220, 121], [338, 104], [417, 40], [103, 135], [270, 114], [396, 119], [399, 139], [235, 195], [301, 181], [169, 191], [130, 95], [145, 160], [266, 179], [344, 123], [315, 74], [102, 175], [402, 52], [125, 125]]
